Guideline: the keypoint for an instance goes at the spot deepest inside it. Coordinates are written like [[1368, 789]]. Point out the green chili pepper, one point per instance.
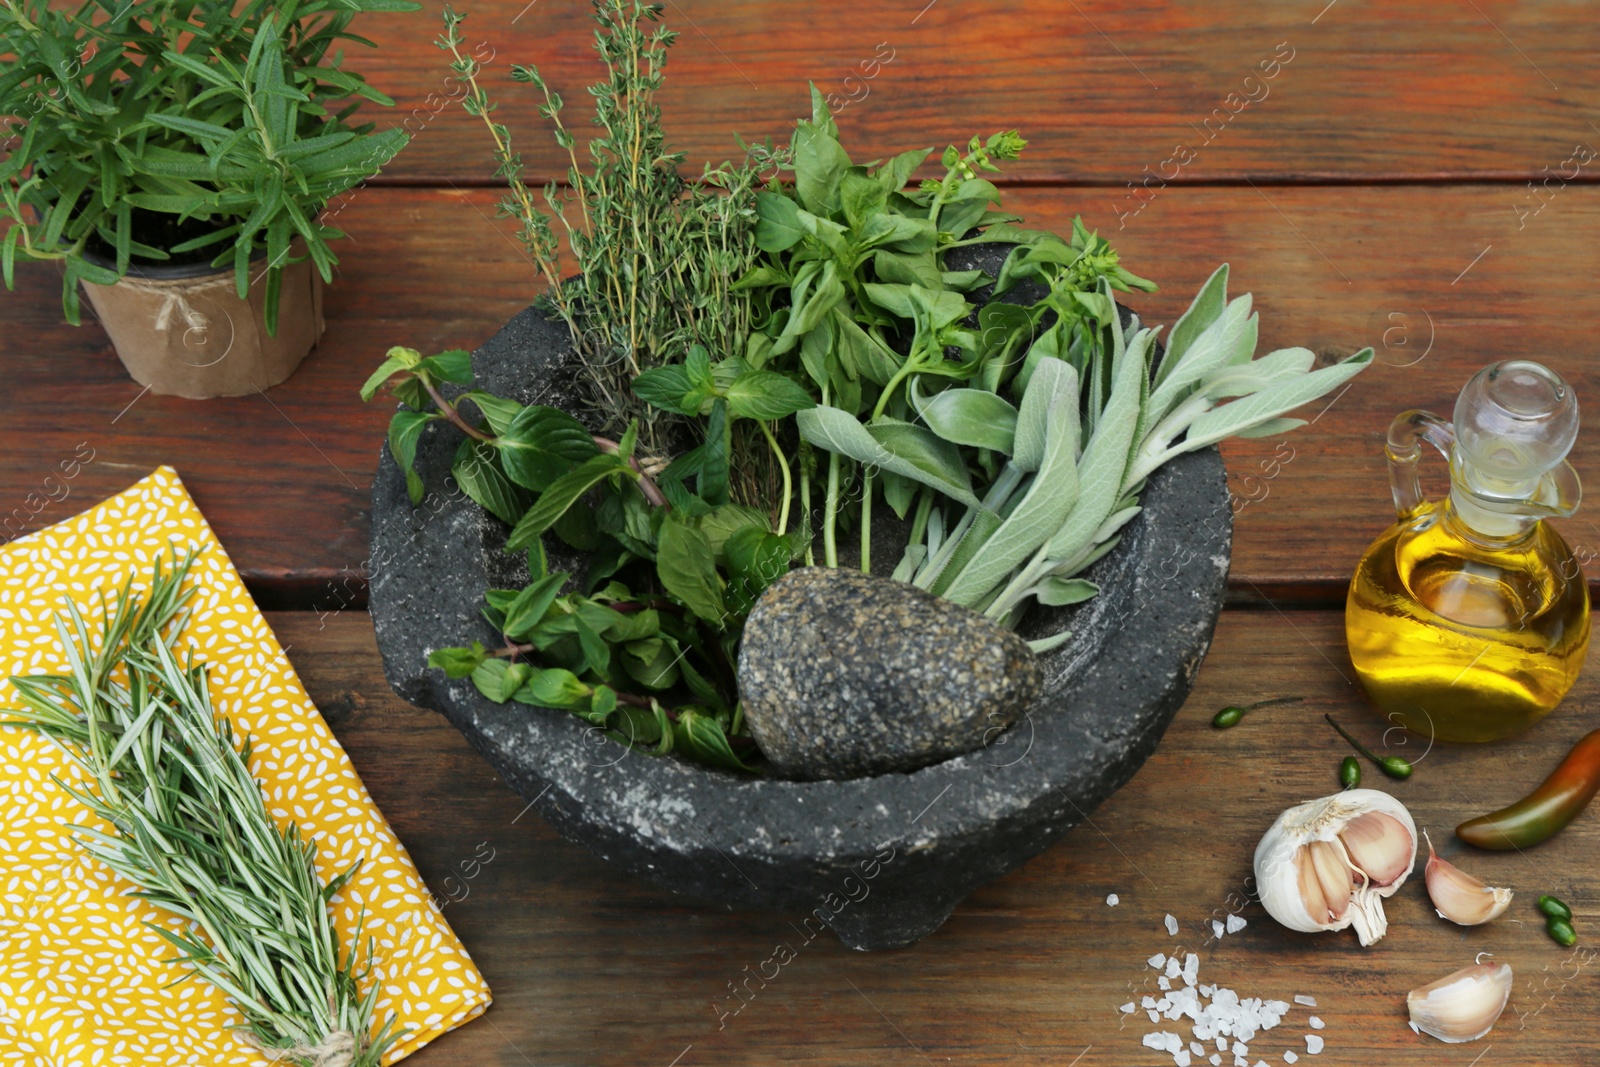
[[1544, 812], [1393, 766], [1554, 908], [1350, 772], [1561, 931], [1230, 715]]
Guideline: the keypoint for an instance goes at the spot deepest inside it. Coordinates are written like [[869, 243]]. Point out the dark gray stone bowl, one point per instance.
[[883, 860]]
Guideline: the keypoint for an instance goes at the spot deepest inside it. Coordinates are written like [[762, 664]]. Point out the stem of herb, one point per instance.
[[448, 410], [652, 491], [805, 509], [783, 466], [830, 514], [866, 520]]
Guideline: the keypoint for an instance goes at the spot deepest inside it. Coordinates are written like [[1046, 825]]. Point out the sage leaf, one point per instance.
[[1269, 403], [1203, 310], [972, 417], [838, 431], [1058, 592], [1052, 387]]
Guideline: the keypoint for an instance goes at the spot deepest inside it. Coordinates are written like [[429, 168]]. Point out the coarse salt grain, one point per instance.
[[1316, 1023], [1309, 1002], [1216, 928], [1216, 1061], [1289, 1056], [1112, 901], [1164, 982], [1172, 926], [1158, 960], [1235, 924], [1127, 1009], [1313, 1044]]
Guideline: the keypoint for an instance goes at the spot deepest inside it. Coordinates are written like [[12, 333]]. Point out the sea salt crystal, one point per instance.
[[1112, 901], [1197, 1048], [1164, 982], [1235, 924], [1222, 1044], [1147, 1002], [1216, 1061], [1289, 1056], [1172, 926], [1127, 1009], [1173, 966], [1174, 1042], [1191, 968], [1309, 1002], [1241, 1049], [1155, 1016], [1216, 928], [1180, 1058], [1156, 1040], [1316, 1023], [1157, 961], [1313, 1044]]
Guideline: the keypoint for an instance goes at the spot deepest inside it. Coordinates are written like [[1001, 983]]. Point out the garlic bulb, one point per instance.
[[1463, 1006], [1327, 864], [1458, 896]]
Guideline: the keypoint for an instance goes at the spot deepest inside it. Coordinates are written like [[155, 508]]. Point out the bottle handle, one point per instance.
[[1405, 453]]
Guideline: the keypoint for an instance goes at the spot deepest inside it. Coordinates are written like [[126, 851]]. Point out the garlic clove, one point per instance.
[[1379, 846], [1333, 879], [1458, 896], [1462, 1006]]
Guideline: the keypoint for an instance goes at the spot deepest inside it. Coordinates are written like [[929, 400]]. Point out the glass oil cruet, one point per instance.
[[1468, 619]]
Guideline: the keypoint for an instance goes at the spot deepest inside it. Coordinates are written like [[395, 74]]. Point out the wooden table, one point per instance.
[[1395, 183]]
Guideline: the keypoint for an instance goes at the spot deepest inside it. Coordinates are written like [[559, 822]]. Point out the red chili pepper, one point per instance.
[[1543, 813]]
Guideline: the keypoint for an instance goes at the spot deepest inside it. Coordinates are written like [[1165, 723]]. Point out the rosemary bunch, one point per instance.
[[658, 255], [191, 830]]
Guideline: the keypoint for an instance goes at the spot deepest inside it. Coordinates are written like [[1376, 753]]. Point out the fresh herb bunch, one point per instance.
[[657, 254], [190, 828], [196, 131], [644, 647], [1020, 434]]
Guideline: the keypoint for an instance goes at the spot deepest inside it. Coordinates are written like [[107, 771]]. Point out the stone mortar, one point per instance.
[[881, 860]]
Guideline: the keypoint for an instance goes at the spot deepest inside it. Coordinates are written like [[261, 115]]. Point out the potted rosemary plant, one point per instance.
[[174, 158]]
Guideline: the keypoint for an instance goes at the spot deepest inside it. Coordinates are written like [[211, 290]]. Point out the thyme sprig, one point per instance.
[[191, 831]]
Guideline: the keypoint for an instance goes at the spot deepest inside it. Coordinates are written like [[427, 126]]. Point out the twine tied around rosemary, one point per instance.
[[338, 1049]]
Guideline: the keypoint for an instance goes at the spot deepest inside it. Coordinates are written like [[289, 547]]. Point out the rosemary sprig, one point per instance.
[[190, 829]]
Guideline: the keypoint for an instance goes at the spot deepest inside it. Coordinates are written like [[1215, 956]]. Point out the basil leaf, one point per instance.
[[541, 444], [700, 736], [777, 222], [665, 387], [528, 608], [553, 687], [497, 411], [761, 394], [561, 495], [715, 457], [687, 568], [405, 429], [458, 662], [820, 163], [452, 366], [477, 471], [398, 359]]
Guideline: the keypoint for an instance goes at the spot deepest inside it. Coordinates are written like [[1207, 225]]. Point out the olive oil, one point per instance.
[[1468, 620]]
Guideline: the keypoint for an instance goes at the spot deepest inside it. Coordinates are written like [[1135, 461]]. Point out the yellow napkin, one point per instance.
[[82, 980]]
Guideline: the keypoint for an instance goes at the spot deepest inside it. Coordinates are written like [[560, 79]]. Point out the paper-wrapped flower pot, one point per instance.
[[880, 860]]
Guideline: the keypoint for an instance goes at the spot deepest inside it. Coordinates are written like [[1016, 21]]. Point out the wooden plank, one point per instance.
[[1442, 280], [590, 966], [1412, 90]]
